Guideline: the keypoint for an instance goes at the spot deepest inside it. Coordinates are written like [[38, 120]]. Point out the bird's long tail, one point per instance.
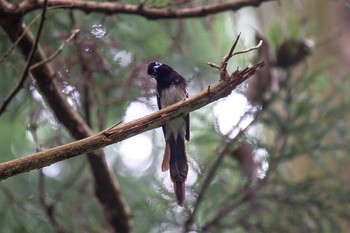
[[178, 167]]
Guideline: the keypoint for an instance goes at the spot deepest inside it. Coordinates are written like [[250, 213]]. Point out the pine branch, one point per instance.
[[132, 9]]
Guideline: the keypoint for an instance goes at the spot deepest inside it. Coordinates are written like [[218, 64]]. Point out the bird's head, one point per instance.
[[158, 70], [164, 75], [153, 68]]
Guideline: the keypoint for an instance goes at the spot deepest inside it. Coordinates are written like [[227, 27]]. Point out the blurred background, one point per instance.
[[271, 157]]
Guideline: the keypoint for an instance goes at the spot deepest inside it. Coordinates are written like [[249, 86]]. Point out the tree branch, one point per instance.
[[133, 9], [123, 131]]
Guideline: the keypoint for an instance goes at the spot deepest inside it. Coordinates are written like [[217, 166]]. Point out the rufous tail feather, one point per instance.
[[166, 158]]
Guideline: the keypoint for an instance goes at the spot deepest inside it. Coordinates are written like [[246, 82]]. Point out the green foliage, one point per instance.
[[304, 123]]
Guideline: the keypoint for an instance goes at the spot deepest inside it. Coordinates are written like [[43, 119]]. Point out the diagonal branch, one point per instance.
[[121, 132], [133, 9]]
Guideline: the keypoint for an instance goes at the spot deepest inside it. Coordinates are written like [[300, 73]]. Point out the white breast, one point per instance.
[[170, 96]]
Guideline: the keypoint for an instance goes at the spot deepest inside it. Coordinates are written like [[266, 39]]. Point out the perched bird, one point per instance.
[[293, 51], [172, 88]]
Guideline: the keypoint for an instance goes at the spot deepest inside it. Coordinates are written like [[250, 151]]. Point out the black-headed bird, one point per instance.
[[172, 88]]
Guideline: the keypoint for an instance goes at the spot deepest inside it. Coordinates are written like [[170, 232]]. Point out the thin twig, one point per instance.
[[27, 67], [211, 64], [249, 49], [231, 54], [58, 51], [13, 46], [235, 127]]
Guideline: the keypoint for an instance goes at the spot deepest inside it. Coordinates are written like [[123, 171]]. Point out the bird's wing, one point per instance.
[[166, 158], [160, 107], [187, 119]]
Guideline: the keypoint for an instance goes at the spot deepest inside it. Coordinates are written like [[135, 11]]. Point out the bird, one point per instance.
[[172, 88]]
